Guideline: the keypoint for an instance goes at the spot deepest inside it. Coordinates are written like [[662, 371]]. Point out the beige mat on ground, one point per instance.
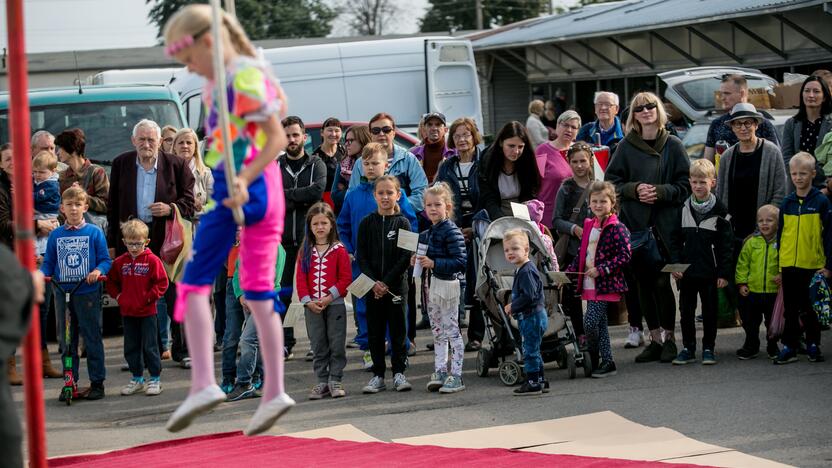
[[345, 432]]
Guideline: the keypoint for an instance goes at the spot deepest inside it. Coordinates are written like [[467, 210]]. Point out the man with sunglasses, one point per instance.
[[734, 90], [607, 124], [434, 148]]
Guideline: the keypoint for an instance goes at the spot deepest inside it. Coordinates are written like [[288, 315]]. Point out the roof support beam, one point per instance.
[[715, 45], [509, 64], [803, 32], [759, 39], [574, 59], [631, 52], [601, 56], [543, 55], [676, 48], [524, 60]]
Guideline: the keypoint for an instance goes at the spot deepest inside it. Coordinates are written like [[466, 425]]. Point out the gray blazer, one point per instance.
[[772, 186]]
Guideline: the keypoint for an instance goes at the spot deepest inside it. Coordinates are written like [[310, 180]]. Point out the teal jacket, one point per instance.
[[278, 273], [758, 264]]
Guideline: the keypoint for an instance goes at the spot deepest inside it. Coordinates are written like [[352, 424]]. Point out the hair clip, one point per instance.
[[183, 42]]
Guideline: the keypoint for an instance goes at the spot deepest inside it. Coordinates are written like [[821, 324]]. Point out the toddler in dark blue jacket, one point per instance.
[[46, 192]]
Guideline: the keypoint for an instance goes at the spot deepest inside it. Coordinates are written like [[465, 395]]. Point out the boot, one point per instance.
[[49, 372], [14, 378]]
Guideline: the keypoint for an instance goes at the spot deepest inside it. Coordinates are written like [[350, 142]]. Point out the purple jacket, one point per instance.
[[612, 253], [419, 152]]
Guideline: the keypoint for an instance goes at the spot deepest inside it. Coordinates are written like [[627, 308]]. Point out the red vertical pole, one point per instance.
[[24, 235]]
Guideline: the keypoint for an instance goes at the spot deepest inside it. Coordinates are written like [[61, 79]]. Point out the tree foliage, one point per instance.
[[263, 19], [371, 17], [445, 15]]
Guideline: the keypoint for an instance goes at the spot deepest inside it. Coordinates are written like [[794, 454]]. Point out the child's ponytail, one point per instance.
[[237, 36], [191, 22]]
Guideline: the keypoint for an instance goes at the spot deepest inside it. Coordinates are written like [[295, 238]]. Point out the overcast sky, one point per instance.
[[59, 25]]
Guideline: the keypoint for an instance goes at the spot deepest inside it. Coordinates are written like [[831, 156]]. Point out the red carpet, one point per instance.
[[232, 449]]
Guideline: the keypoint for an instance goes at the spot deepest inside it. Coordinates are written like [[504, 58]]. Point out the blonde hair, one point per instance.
[[639, 100], [45, 160], [75, 193], [769, 209], [536, 107], [518, 234], [169, 128], [396, 185], [134, 229], [195, 20], [604, 188], [198, 163], [802, 158], [371, 149], [703, 168], [442, 191]]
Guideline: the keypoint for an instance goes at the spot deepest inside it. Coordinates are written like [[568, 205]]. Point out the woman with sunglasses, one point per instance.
[[508, 172], [650, 171], [807, 129], [552, 163], [402, 163]]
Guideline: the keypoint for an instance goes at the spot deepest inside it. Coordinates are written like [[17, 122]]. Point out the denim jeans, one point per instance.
[[233, 329], [86, 320], [532, 326], [163, 320], [141, 348], [250, 358]]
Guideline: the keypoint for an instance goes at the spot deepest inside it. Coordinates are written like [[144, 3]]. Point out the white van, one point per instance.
[[155, 76], [355, 80]]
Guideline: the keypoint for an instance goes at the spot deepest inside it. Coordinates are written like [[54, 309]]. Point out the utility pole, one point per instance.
[[478, 8]]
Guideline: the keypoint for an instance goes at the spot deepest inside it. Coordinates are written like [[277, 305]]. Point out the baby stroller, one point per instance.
[[493, 289]]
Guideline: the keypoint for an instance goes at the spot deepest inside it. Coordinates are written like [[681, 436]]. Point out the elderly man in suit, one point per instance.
[[144, 184]]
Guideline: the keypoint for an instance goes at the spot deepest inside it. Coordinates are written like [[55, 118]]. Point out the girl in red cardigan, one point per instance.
[[323, 274]]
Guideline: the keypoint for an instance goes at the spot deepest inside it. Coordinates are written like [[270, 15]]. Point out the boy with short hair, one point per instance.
[[703, 238], [527, 305], [758, 278], [76, 252], [137, 280], [804, 238], [46, 191]]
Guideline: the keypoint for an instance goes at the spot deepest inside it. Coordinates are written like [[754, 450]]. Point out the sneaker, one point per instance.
[[473, 345], [287, 354], [268, 413], [708, 357], [319, 391], [653, 352], [185, 363], [368, 361], [227, 385], [400, 383], [135, 386], [745, 354], [452, 384], [786, 356], [154, 387], [606, 369], [352, 344], [544, 385], [528, 388], [685, 356], [375, 385], [634, 339], [96, 391], [814, 353], [309, 356], [241, 391], [772, 350], [336, 389], [437, 379], [411, 349], [669, 351]]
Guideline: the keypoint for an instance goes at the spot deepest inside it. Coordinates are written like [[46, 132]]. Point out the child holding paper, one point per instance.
[[384, 262], [323, 274], [703, 238], [358, 203], [442, 265]]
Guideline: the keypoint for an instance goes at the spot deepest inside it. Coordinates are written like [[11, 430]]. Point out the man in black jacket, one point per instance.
[[304, 180]]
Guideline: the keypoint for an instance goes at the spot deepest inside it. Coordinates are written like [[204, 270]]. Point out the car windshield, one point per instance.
[[107, 126], [700, 93]]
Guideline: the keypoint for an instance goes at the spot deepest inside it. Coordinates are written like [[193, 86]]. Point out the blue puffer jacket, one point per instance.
[[406, 167], [359, 203], [449, 172], [446, 247]]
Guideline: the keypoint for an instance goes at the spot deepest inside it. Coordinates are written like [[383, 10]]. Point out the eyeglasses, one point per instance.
[[743, 123], [649, 106], [385, 129], [462, 136], [349, 141], [168, 140], [134, 245], [566, 125]]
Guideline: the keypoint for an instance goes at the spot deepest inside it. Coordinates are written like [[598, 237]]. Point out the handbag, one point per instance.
[[177, 245], [778, 322], [562, 245]]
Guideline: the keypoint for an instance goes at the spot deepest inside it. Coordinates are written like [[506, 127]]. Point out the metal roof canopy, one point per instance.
[[638, 37]]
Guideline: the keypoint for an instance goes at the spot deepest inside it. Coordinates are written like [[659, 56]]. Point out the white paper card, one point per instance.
[[675, 267], [417, 268], [408, 240], [361, 286], [521, 211], [558, 278]]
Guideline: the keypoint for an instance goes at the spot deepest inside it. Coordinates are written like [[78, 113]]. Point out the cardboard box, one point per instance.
[[758, 97], [787, 96]]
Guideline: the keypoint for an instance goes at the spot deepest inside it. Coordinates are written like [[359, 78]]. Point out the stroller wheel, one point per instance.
[[510, 373], [570, 365], [587, 362], [483, 361]]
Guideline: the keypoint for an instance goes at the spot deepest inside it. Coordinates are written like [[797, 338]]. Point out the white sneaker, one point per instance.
[[268, 413], [201, 402], [368, 361], [634, 339], [375, 385], [135, 386], [154, 387], [400, 383]]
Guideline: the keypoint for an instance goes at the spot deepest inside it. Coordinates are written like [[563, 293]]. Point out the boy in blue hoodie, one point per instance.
[[75, 252], [359, 203]]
